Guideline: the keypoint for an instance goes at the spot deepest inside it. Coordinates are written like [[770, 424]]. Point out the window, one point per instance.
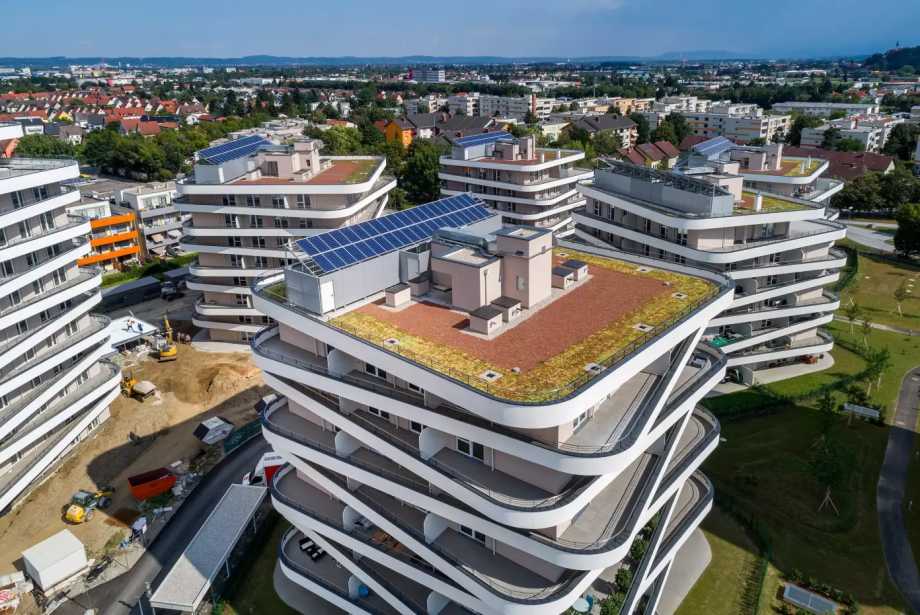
[[261, 261], [414, 387], [279, 202], [471, 449], [380, 413], [31, 259], [239, 281], [24, 229], [581, 418], [266, 320], [2, 237], [373, 370], [303, 201], [245, 320], [258, 242], [229, 200], [47, 220], [17, 200], [242, 300], [521, 283], [281, 222], [236, 260], [15, 298], [6, 267], [647, 225], [416, 427], [252, 200], [234, 242], [22, 327], [256, 222], [468, 531], [38, 286], [597, 208], [270, 168], [40, 193], [245, 336]]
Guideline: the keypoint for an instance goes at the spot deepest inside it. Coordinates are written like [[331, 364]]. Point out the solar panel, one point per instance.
[[486, 137], [348, 245], [232, 149], [809, 601], [713, 147]]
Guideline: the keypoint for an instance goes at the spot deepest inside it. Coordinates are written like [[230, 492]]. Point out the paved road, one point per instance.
[[867, 237], [899, 558], [120, 595]]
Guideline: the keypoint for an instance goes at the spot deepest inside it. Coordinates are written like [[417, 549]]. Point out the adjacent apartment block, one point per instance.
[[778, 251], [113, 240], [474, 420], [825, 109], [738, 122], [528, 185], [55, 385], [160, 221], [249, 199]]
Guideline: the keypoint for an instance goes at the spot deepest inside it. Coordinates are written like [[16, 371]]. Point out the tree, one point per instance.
[[341, 141], [642, 128], [862, 194], [830, 463], [907, 237], [866, 328], [420, 177], [849, 144], [900, 294], [799, 122], [831, 136], [902, 141], [531, 119], [853, 312], [827, 407], [607, 142], [899, 187], [665, 132], [682, 129], [878, 362], [43, 146]]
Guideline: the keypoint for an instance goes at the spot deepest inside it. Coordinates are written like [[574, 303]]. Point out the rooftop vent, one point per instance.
[[594, 368], [642, 269], [643, 327], [680, 296], [391, 341], [490, 375]]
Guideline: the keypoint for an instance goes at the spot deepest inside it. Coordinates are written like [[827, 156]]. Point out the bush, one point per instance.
[[624, 578]]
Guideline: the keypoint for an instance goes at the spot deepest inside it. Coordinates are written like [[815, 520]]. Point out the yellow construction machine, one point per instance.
[[84, 503], [168, 350]]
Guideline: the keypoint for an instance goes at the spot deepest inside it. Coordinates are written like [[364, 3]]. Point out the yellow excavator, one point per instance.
[[168, 351], [84, 503]]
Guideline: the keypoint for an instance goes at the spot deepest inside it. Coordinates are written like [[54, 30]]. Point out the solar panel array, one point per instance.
[[809, 601], [348, 245], [486, 137], [232, 150], [713, 147]]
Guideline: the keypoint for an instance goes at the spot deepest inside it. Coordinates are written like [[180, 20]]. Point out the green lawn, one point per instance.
[[733, 570], [762, 466], [251, 591], [845, 363], [154, 267], [873, 290]]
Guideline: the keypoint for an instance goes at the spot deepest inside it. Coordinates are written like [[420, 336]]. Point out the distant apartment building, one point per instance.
[[825, 109], [463, 104], [622, 127], [915, 114], [429, 75], [681, 104], [778, 250], [114, 238], [431, 103], [160, 221], [738, 122], [249, 199], [442, 449], [516, 107], [55, 384], [868, 137], [527, 185]]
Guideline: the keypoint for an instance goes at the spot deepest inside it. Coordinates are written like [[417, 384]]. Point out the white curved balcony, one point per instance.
[[821, 232], [190, 245], [782, 290], [217, 309], [572, 177], [827, 302], [230, 272], [84, 282], [780, 177], [41, 460], [11, 216], [81, 247], [559, 157], [836, 259], [822, 342], [760, 336], [201, 284], [227, 326], [77, 228], [95, 332]]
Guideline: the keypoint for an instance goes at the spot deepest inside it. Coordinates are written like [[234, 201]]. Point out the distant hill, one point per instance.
[[893, 59]]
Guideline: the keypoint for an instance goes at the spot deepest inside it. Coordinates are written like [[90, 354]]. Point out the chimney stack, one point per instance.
[[758, 202]]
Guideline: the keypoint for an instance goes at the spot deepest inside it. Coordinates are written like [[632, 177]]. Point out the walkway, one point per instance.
[[120, 595], [867, 237], [880, 327], [899, 557]]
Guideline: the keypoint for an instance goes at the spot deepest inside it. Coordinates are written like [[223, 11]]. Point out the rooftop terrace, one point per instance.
[[546, 355], [339, 172], [770, 204], [791, 167]]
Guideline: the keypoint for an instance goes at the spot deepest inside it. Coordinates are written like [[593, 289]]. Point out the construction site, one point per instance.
[[137, 467]]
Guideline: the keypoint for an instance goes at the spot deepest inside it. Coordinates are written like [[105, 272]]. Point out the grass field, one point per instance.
[[722, 588], [873, 291], [154, 267], [251, 591], [762, 466]]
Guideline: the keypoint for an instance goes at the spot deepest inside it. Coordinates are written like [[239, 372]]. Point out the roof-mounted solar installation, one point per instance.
[[232, 150], [713, 147], [480, 139], [349, 245]]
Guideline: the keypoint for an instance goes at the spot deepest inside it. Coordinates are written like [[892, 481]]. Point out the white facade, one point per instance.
[[437, 494], [825, 109], [779, 252], [55, 386], [247, 212], [528, 185], [159, 219]]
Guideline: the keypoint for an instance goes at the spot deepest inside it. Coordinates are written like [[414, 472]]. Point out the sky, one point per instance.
[[559, 28]]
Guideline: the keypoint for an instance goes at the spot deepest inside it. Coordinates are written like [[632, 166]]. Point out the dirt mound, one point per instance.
[[224, 379]]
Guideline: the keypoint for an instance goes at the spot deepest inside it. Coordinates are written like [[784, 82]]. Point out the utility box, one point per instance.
[[55, 560]]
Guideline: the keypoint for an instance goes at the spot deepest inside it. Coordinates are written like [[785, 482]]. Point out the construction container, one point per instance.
[[55, 559], [151, 484]]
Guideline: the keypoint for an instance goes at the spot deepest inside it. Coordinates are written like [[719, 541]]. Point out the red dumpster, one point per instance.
[[150, 484]]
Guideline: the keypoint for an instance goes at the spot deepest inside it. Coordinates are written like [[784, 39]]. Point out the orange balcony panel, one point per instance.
[[111, 220], [110, 239], [94, 259]]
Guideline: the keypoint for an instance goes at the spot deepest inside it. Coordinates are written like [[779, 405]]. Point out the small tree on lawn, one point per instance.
[[852, 311], [827, 408], [866, 329], [879, 362], [900, 294]]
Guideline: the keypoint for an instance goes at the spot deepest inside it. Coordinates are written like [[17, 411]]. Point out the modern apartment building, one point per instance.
[[825, 109], [160, 219], [463, 104], [738, 122], [765, 169], [430, 75], [871, 131], [515, 106], [113, 234], [476, 421], [248, 200], [55, 385], [778, 250], [528, 185]]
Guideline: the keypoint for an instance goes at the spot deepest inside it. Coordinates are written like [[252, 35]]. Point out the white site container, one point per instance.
[[54, 559]]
